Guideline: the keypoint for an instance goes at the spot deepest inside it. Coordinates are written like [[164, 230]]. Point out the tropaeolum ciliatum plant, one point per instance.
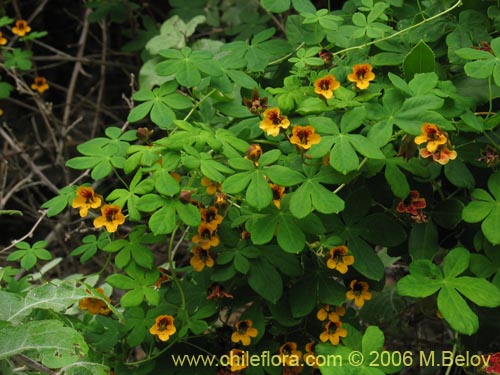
[[282, 190]]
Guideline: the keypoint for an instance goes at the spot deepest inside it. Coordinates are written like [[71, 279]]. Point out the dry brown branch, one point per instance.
[[77, 69]]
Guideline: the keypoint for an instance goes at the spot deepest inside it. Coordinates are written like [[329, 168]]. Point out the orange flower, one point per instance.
[[304, 137], [164, 327], [111, 217], [86, 198], [243, 332], [40, 85], [274, 121], [326, 85], [3, 40], [310, 357], [212, 187], [433, 136], [289, 354], [359, 293], [21, 28], [442, 156], [201, 258], [278, 193], [333, 313], [333, 332], [95, 306], [338, 259], [254, 153], [206, 236], [210, 216], [220, 199], [362, 75], [237, 359]]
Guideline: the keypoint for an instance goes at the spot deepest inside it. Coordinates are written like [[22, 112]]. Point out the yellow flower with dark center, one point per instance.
[[362, 75], [40, 84], [289, 354], [211, 216], [211, 186], [310, 356], [3, 40], [95, 306], [244, 332], [359, 292], [206, 236], [432, 136], [333, 332], [164, 327], [304, 137], [111, 217], [237, 359], [333, 313], [201, 258], [274, 121], [22, 28], [338, 259], [254, 153], [278, 194], [86, 198], [325, 86]]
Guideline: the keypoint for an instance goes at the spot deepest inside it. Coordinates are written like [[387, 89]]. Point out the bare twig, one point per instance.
[[33, 364], [27, 235], [28, 160], [76, 69], [102, 81]]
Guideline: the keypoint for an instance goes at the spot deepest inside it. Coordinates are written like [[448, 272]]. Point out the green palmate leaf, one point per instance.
[[485, 209], [421, 59], [54, 297], [57, 345], [426, 278], [265, 280], [311, 194]]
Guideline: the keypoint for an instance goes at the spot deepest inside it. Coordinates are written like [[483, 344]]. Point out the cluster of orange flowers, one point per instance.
[[111, 215], [22, 28], [206, 236], [337, 259], [437, 144], [413, 205], [333, 327], [303, 137]]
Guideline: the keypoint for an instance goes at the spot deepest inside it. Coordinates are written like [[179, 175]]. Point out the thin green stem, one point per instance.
[[172, 270], [491, 140], [344, 185], [457, 4], [199, 103], [287, 55]]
